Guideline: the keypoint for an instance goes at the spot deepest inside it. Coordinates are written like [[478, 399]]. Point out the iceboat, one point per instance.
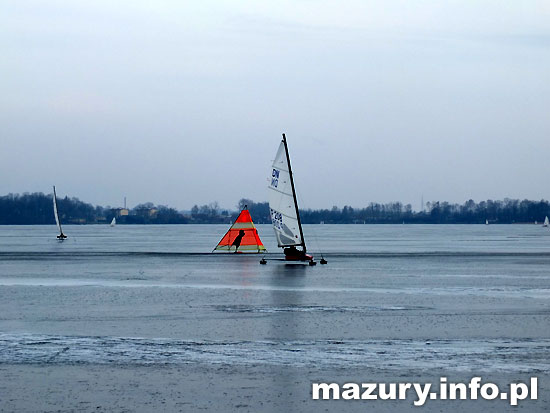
[[61, 236]]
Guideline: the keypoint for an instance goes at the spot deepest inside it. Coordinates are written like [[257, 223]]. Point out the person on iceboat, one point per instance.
[[293, 253], [237, 240]]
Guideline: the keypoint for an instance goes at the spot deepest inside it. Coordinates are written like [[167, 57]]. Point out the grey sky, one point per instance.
[[185, 102]]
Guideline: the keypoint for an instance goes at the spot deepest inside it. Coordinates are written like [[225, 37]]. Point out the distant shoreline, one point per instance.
[[37, 209]]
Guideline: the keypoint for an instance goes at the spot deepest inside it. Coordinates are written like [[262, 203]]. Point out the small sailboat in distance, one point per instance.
[[486, 222], [546, 223], [284, 212], [113, 222], [61, 236]]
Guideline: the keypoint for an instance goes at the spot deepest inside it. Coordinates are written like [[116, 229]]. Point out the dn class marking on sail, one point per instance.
[[275, 178]]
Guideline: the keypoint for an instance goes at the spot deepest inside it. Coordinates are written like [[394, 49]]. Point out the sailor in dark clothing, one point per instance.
[[293, 253], [238, 239]]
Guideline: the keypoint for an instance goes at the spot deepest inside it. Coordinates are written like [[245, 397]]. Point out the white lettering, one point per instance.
[[443, 388], [403, 390], [421, 393], [493, 394], [474, 385], [534, 389], [387, 395], [515, 396], [367, 394], [351, 391], [326, 389], [453, 387], [447, 391]]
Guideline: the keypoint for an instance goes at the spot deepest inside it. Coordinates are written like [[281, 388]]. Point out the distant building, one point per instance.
[[79, 221], [123, 212]]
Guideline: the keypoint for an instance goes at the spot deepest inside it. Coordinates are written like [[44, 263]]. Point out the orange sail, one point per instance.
[[242, 236]]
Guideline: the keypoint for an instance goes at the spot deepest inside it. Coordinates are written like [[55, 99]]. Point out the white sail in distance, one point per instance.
[[55, 211], [281, 202], [113, 222], [546, 222]]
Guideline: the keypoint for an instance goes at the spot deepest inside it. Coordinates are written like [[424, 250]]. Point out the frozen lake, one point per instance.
[[398, 299]]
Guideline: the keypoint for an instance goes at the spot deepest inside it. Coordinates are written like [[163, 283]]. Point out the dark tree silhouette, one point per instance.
[[36, 208]]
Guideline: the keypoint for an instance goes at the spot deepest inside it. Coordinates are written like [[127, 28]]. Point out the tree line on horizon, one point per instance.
[[37, 209]]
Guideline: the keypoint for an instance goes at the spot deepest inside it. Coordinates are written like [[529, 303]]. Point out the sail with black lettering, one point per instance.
[[282, 205]]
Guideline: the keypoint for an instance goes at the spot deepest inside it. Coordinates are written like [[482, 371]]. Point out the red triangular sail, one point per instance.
[[250, 241]]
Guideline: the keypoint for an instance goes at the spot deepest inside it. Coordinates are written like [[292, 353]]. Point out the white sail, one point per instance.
[[113, 222], [486, 222], [281, 202], [546, 223], [55, 212]]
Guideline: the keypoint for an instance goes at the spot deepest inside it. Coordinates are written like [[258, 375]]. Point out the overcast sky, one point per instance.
[[184, 102]]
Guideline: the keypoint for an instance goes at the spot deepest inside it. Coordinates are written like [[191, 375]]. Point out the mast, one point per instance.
[[294, 194]]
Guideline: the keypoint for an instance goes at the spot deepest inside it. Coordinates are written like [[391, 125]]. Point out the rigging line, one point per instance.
[[312, 230], [228, 233], [229, 242]]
